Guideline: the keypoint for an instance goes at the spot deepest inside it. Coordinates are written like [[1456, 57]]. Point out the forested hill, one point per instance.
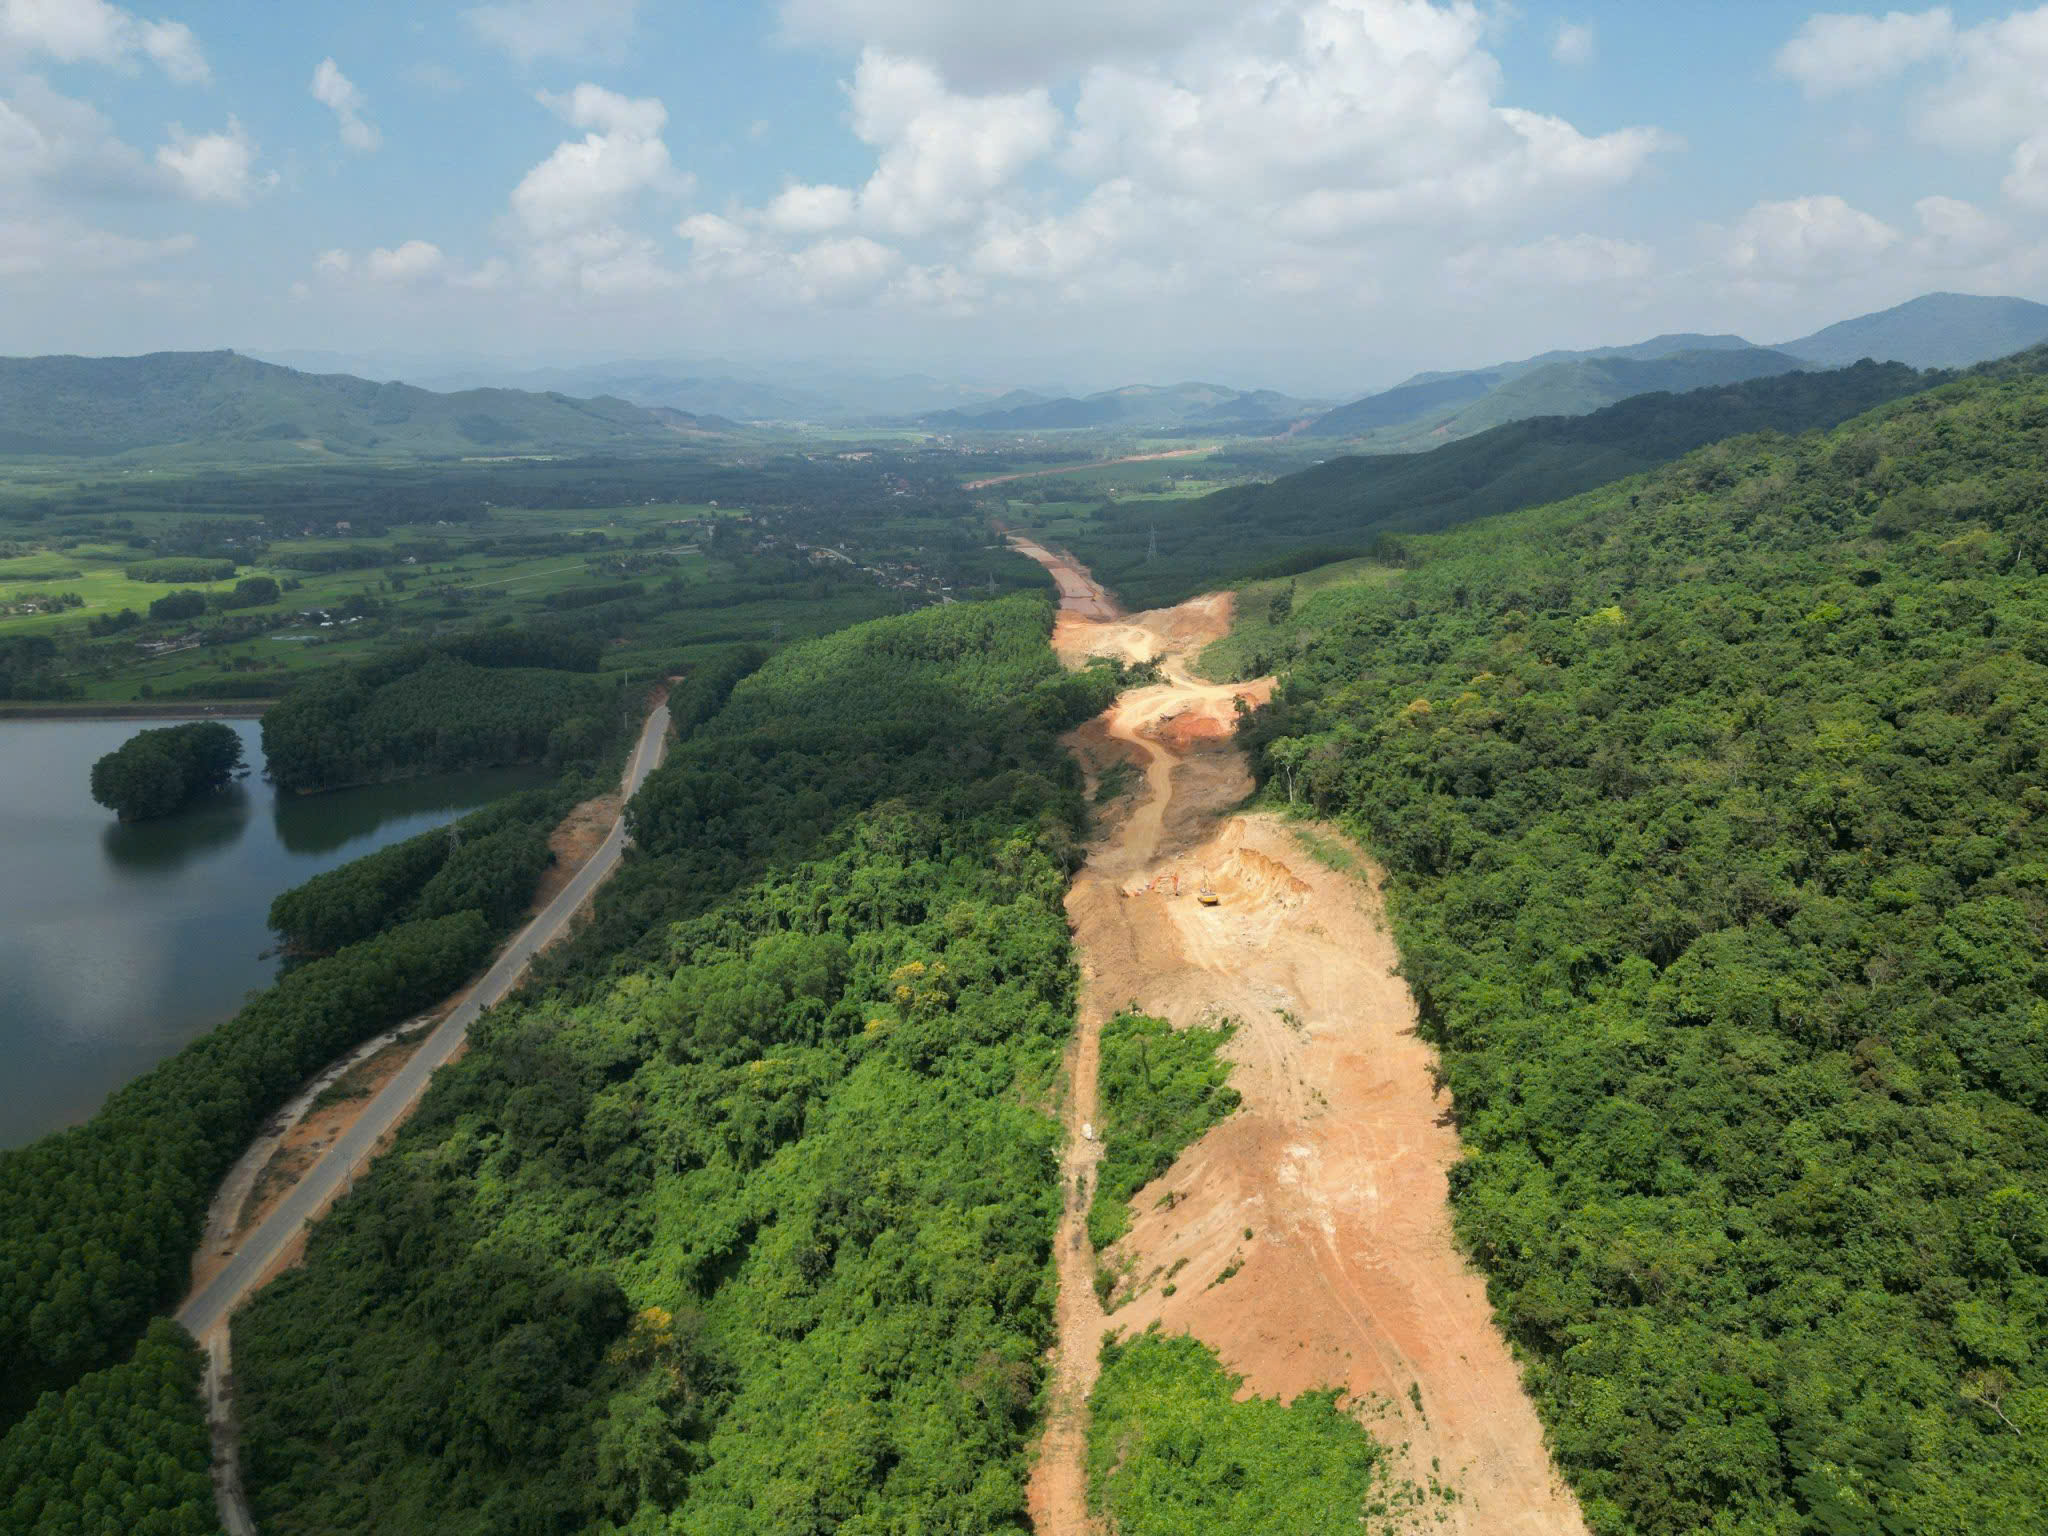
[[739, 1221], [1342, 506], [1452, 408], [1716, 820], [1936, 330], [223, 406]]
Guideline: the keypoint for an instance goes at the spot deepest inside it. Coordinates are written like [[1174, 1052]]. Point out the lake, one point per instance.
[[119, 944]]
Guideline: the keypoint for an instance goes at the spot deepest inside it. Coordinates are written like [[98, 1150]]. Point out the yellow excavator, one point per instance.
[[1206, 896]]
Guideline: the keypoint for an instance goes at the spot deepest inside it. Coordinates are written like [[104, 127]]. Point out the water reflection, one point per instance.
[[168, 844], [119, 944], [313, 824]]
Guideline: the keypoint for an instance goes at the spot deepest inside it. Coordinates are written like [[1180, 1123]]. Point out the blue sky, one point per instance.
[[1307, 194]]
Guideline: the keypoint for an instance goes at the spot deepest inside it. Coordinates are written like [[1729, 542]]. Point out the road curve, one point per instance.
[[328, 1177]]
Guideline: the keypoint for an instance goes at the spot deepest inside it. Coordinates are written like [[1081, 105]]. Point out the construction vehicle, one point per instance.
[[1206, 896]]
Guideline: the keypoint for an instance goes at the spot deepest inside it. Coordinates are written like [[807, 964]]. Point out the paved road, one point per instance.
[[339, 1163]]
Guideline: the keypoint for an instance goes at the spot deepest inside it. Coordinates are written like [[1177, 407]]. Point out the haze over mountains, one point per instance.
[[227, 405], [221, 403], [1937, 330]]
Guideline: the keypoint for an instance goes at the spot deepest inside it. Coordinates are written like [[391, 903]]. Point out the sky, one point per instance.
[[1311, 195]]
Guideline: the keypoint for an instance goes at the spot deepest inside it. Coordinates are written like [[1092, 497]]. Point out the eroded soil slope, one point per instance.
[[1336, 1163]]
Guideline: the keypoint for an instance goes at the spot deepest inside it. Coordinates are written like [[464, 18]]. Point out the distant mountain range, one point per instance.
[[225, 405], [222, 405], [1937, 330], [1338, 508]]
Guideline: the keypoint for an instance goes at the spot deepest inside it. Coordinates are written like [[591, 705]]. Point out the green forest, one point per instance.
[[154, 773], [1716, 825], [761, 1213], [1713, 804], [1150, 556], [429, 711]]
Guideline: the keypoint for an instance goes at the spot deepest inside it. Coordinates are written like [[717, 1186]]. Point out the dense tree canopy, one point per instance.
[[428, 711], [1713, 805], [775, 1150], [157, 772], [125, 1452]]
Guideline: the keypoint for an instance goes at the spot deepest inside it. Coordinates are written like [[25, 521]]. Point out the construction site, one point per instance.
[[1323, 1201]]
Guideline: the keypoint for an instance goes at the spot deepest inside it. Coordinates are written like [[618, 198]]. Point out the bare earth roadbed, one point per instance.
[[1337, 1160]]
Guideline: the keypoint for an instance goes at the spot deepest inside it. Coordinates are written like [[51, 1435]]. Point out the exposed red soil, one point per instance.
[[1337, 1160]]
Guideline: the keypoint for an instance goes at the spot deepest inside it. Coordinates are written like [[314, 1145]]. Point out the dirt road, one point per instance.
[[1336, 1162], [1071, 469]]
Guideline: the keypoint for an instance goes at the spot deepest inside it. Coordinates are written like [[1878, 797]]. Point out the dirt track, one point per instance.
[[1069, 469], [1336, 1162]]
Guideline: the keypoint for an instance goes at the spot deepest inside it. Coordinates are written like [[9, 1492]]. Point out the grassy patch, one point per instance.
[[1171, 1450], [1117, 780], [1275, 619], [1160, 1089]]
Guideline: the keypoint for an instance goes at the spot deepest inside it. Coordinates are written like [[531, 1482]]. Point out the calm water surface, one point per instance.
[[119, 944]]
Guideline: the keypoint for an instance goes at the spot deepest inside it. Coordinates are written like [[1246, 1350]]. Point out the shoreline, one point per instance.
[[57, 709]]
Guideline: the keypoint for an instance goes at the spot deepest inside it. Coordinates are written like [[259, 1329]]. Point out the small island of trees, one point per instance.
[[157, 772]]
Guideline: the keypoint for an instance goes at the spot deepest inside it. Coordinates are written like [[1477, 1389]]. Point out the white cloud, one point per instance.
[[176, 52], [68, 248], [1954, 233], [1805, 239], [213, 167], [811, 210], [1373, 116], [2027, 182], [1555, 261], [335, 263], [1278, 146], [1841, 52], [941, 153], [488, 278], [530, 30], [65, 147], [1996, 93], [1057, 249], [841, 268], [607, 262], [1572, 44], [94, 32], [591, 181], [409, 263], [999, 47], [335, 91]]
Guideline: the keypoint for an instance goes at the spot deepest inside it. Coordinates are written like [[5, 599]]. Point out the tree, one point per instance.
[[156, 772], [173, 606]]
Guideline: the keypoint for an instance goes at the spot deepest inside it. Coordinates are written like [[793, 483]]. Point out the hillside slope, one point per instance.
[[1433, 398], [1345, 504], [224, 405], [1579, 387], [1936, 330], [1712, 809]]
